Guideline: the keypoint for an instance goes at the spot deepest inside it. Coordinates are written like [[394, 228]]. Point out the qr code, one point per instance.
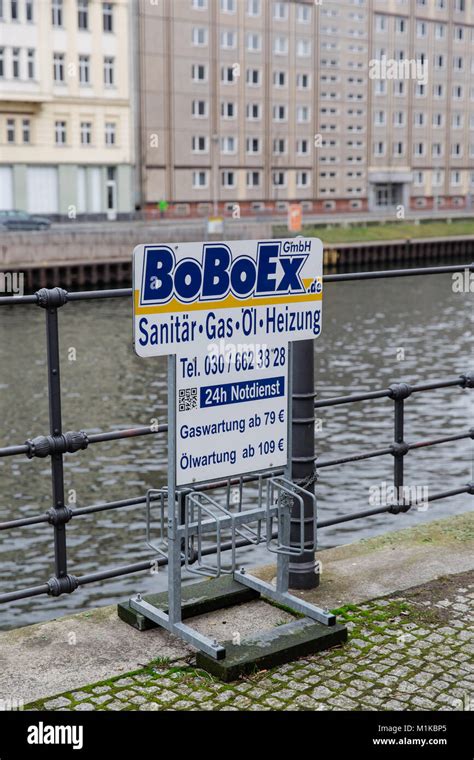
[[188, 399]]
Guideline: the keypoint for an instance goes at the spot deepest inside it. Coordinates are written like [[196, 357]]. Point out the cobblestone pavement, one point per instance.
[[409, 652]]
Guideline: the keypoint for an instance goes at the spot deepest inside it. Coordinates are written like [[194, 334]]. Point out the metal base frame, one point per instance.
[[191, 515]]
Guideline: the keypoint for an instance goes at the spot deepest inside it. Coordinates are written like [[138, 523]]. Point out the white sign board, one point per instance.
[[227, 310]]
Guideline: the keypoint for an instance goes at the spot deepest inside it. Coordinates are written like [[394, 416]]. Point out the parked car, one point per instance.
[[21, 220]]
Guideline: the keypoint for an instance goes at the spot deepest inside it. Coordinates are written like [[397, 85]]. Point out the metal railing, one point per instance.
[[58, 443]]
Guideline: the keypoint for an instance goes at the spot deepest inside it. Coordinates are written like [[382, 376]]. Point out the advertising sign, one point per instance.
[[228, 310]]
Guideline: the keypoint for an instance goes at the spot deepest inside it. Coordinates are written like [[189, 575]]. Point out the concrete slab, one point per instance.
[[49, 658], [268, 649]]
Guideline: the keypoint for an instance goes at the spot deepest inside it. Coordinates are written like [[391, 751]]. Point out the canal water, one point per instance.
[[374, 333]]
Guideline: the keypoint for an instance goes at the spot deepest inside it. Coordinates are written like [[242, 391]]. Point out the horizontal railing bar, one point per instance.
[[436, 441], [112, 435], [14, 596], [387, 508], [127, 292], [115, 435], [397, 273], [11, 451], [336, 400], [383, 452], [24, 521], [353, 458], [387, 393]]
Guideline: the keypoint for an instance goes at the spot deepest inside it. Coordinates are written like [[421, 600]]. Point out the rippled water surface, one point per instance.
[[374, 333]]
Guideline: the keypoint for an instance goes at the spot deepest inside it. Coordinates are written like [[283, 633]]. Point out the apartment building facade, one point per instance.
[[252, 104], [66, 107]]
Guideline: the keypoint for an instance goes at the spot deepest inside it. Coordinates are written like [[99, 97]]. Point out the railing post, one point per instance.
[[51, 300], [399, 392], [303, 573]]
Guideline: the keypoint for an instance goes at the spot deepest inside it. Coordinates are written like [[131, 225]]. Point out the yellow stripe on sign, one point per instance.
[[227, 303]]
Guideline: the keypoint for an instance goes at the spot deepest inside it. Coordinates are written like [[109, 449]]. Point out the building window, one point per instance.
[[228, 179], [60, 132], [302, 81], [83, 14], [303, 114], [14, 10], [379, 148], [279, 179], [200, 180], [400, 25], [254, 8], [57, 12], [421, 29], [200, 5], [199, 36], [436, 150], [199, 144], [110, 133], [84, 69], [280, 45], [228, 109], [86, 133], [108, 17], [437, 120], [109, 63], [199, 109], [302, 179], [380, 118], [253, 111], [279, 146], [279, 113], [302, 147], [455, 178], [252, 145], [227, 75], [253, 179], [30, 63], [2, 62], [279, 78], [303, 48], [58, 67], [10, 130], [26, 131], [228, 6], [228, 40], [303, 14], [254, 42], [280, 11], [16, 63], [228, 144], [198, 72], [440, 31], [29, 10], [398, 149], [253, 77]]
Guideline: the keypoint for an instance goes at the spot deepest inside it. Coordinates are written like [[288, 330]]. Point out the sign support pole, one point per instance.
[[174, 563], [303, 568]]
